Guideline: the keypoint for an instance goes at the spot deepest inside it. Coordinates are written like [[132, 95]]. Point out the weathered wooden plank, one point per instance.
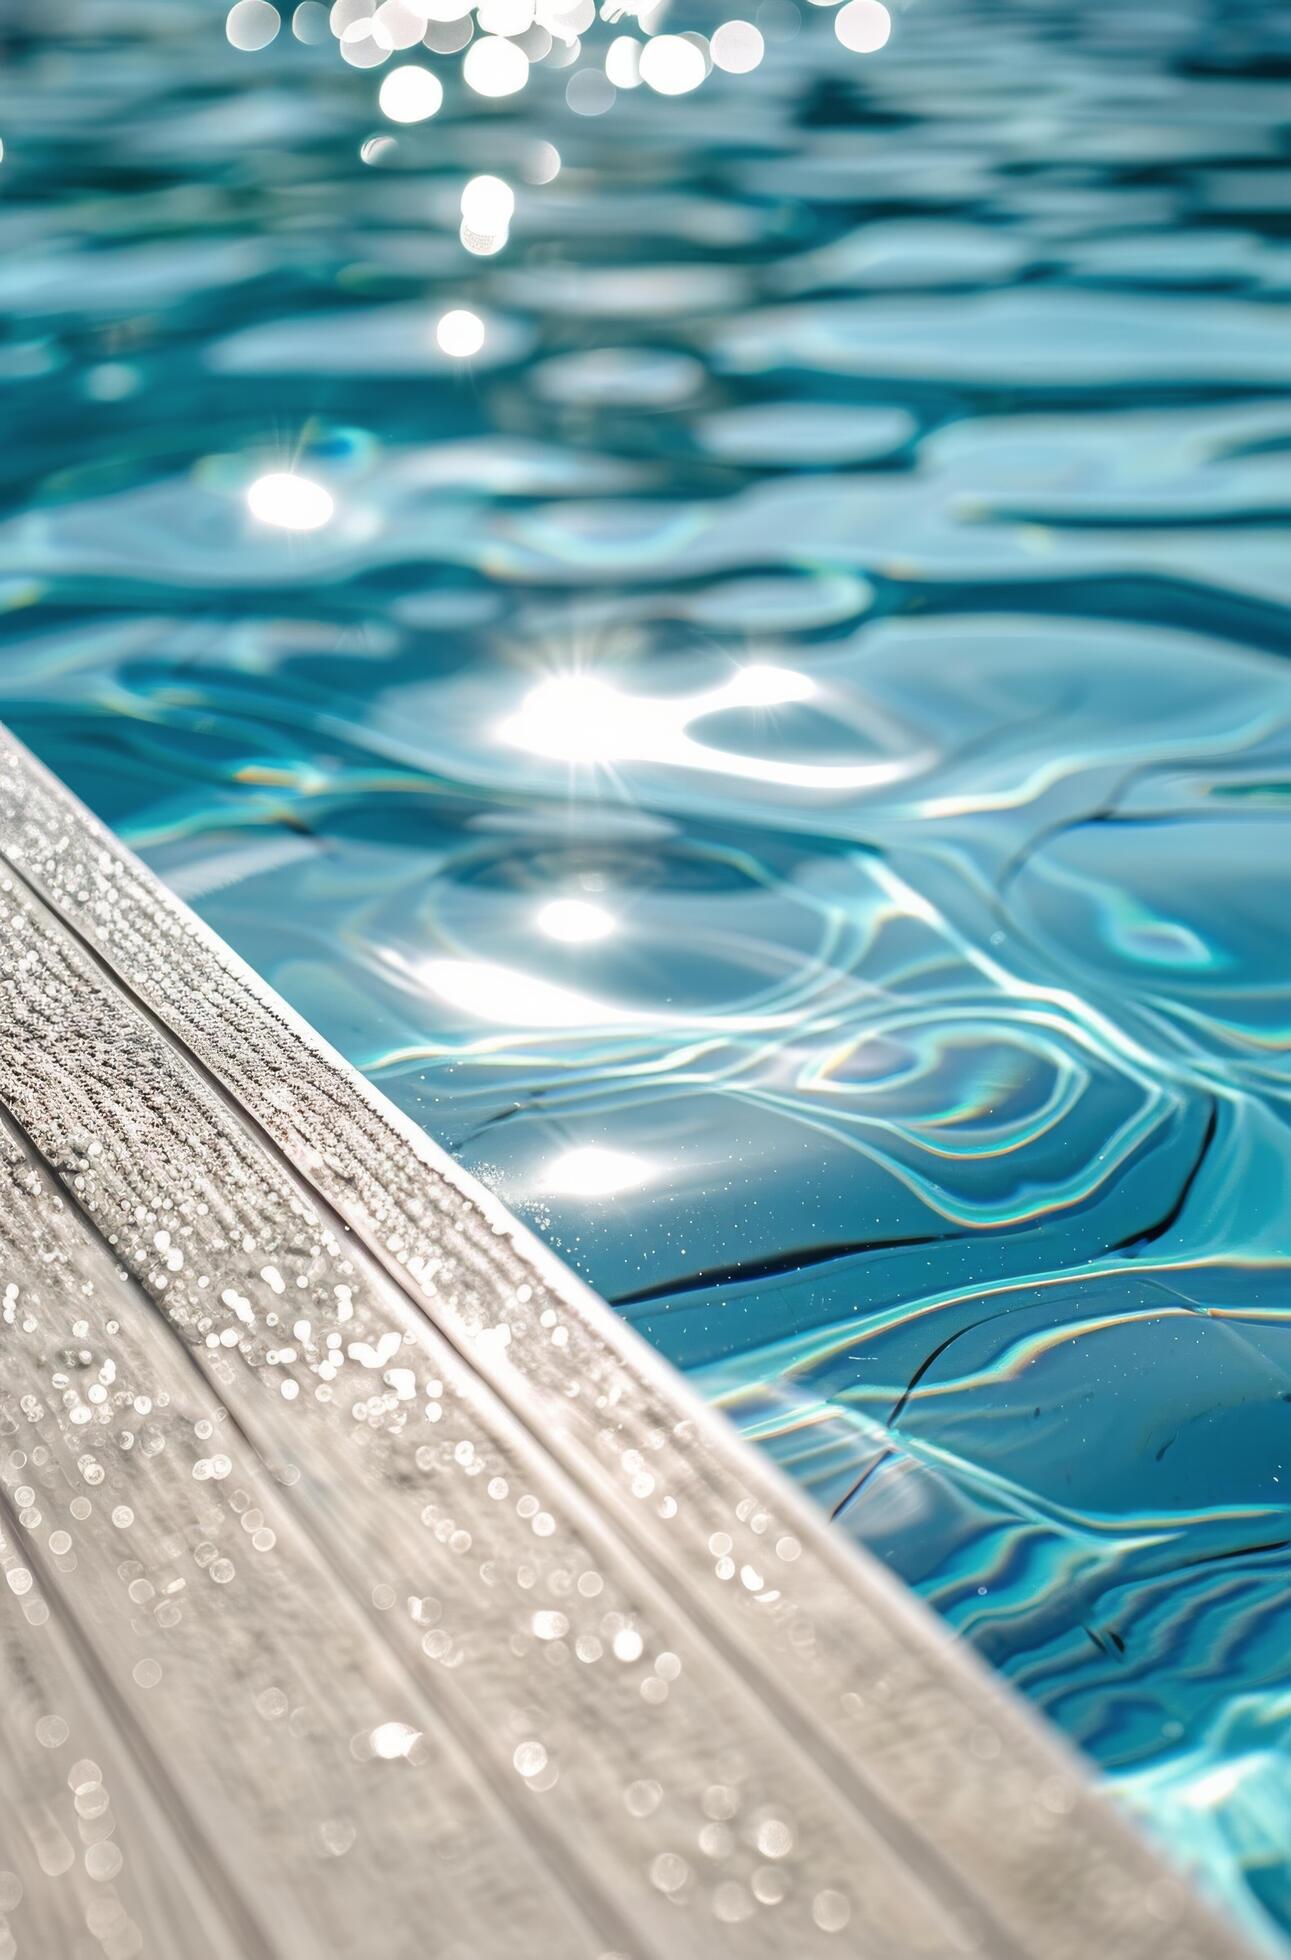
[[655, 1632], [289, 1739], [93, 1860]]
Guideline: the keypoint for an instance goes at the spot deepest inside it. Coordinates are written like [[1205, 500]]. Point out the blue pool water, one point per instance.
[[781, 763]]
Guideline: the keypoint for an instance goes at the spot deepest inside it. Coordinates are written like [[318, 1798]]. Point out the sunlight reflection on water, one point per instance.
[[757, 712]]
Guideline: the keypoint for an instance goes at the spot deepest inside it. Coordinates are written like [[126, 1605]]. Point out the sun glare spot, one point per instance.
[[764, 686], [251, 25], [576, 921], [623, 61], [510, 999], [864, 26], [488, 203], [410, 94], [574, 718], [289, 502], [390, 1740], [460, 333], [671, 64], [737, 47], [505, 16], [596, 1172], [583, 720], [495, 67]]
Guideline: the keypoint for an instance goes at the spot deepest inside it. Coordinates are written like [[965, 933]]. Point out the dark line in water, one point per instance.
[[935, 1354], [1172, 1216], [1237, 1551], [1138, 1239], [861, 1482], [1270, 516], [750, 1271]]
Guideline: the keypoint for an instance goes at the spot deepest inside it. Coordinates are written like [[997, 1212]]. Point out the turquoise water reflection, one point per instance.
[[781, 763]]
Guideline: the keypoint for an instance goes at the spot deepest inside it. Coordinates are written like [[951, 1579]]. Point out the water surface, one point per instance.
[[780, 763]]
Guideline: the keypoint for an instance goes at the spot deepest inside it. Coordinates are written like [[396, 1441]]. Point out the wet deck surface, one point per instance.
[[371, 1589]]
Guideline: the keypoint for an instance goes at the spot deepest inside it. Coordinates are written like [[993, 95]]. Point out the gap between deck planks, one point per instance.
[[372, 1589]]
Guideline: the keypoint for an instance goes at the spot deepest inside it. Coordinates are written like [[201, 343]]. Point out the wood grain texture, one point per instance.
[[489, 1638], [233, 1660]]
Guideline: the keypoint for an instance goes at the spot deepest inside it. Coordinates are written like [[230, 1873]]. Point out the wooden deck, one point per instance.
[[372, 1590]]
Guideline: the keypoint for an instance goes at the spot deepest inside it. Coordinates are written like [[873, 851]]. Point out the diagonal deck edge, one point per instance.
[[872, 1686]]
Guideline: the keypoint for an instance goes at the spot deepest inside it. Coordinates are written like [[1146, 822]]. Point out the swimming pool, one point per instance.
[[779, 762]]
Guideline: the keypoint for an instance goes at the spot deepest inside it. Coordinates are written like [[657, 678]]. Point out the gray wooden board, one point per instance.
[[375, 1584]]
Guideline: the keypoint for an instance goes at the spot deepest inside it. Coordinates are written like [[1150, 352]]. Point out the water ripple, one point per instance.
[[781, 760]]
